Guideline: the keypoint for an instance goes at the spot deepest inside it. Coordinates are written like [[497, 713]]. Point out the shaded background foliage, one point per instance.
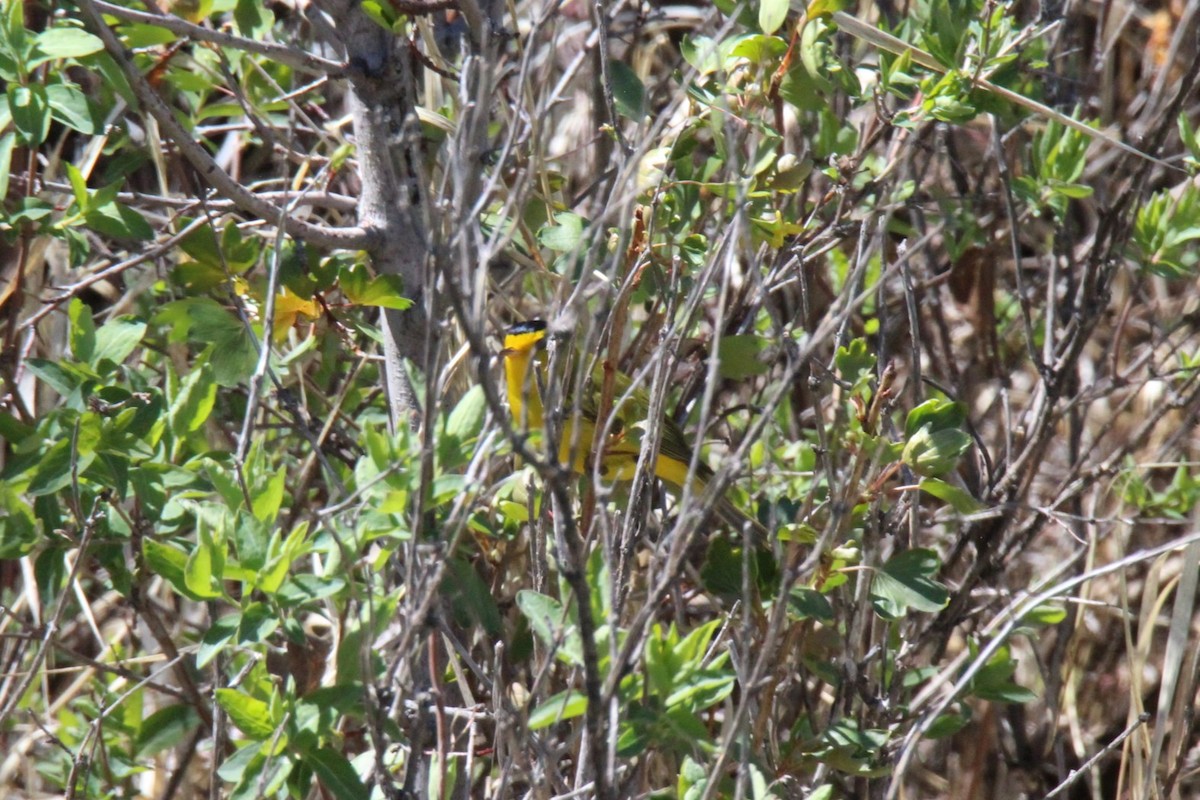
[[268, 530]]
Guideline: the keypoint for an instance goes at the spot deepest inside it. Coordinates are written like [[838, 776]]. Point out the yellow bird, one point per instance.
[[524, 353]]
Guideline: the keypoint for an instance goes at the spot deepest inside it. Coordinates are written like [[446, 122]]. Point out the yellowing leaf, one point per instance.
[[288, 309]]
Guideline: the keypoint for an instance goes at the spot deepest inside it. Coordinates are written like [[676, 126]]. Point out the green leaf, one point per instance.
[[564, 234], [55, 470], [258, 622], [117, 338], [994, 681], [806, 603], [18, 526], [938, 414], [164, 729], [855, 364], [65, 43], [905, 582], [947, 725], [168, 561], [384, 291], [563, 706], [69, 105], [546, 617], [823, 8], [933, 453], [234, 362], [203, 570], [1048, 614], [757, 49], [466, 420], [215, 639], [771, 15], [194, 401], [78, 187], [83, 330], [300, 589], [252, 18], [738, 356], [471, 598], [959, 499], [462, 427], [271, 578], [336, 774], [30, 112], [722, 570], [267, 498], [629, 95], [119, 222], [251, 716], [701, 689], [7, 142]]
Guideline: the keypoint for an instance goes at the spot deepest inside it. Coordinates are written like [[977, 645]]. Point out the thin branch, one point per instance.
[[201, 161], [293, 57]]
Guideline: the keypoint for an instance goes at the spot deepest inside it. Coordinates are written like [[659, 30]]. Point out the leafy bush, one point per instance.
[[915, 287]]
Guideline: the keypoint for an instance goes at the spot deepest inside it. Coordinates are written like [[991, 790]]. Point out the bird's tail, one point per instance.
[[742, 523]]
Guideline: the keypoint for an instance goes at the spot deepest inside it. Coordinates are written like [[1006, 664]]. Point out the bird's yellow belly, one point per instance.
[[619, 458]]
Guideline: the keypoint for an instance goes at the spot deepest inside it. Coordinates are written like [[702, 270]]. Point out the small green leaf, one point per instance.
[[166, 560], [78, 188], [7, 142], [739, 356], [306, 588], [55, 470], [466, 420], [164, 729], [117, 338], [384, 291], [258, 622], [938, 414], [336, 774], [823, 8], [119, 222], [30, 112], [267, 498], [994, 681], [565, 705], [194, 401], [906, 581], [252, 18], [203, 569], [546, 617], [65, 43], [771, 15], [69, 105], [805, 603], [83, 330], [251, 716], [758, 49], [1044, 615], [471, 598], [947, 725], [629, 95], [215, 638], [855, 363], [934, 453], [564, 235], [959, 499], [18, 527]]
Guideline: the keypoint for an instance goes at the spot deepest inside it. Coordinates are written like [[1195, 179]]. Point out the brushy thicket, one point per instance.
[[269, 531]]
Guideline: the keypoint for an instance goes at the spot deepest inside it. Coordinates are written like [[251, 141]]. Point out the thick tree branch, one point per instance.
[[381, 105]]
